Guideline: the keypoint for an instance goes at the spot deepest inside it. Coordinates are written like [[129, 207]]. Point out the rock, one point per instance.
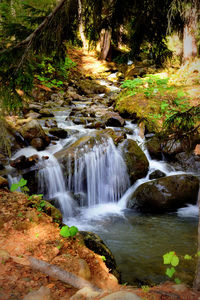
[[45, 113], [50, 123], [32, 131], [135, 71], [4, 256], [114, 120], [172, 147], [187, 162], [85, 293], [42, 294], [23, 162], [117, 136], [33, 115], [84, 270], [121, 295], [38, 144], [3, 183], [79, 121], [89, 87], [35, 107], [136, 161], [154, 147], [96, 125], [156, 174], [96, 244], [165, 194], [59, 132]]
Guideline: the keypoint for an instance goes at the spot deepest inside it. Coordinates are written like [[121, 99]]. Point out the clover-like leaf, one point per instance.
[[174, 260], [188, 257], [73, 230], [170, 272], [65, 231], [167, 257]]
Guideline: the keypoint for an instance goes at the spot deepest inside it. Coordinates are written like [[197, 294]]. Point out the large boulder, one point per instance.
[[165, 194], [96, 244], [136, 160], [33, 133], [187, 162]]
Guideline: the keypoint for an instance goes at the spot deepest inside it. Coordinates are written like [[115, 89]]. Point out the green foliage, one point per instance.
[[150, 85], [49, 71], [173, 260], [67, 231], [21, 184], [40, 203], [103, 258]]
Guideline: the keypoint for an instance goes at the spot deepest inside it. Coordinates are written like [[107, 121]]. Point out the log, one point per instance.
[[58, 273]]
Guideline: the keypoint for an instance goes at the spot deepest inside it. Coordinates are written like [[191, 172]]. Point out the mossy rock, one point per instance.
[[165, 194], [135, 159], [96, 244]]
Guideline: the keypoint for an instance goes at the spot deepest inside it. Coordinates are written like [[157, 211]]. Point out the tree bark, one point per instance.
[[81, 27], [189, 35], [105, 41], [196, 283]]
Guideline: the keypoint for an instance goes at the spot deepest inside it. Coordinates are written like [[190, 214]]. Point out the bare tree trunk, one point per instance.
[[196, 283], [189, 35], [81, 27], [105, 41]]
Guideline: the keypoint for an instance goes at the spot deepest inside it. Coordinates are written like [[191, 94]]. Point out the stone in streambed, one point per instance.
[[33, 133], [165, 194], [156, 174], [23, 162], [59, 132], [113, 119], [135, 159]]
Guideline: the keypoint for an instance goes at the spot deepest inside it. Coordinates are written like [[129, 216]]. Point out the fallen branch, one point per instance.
[[58, 273]]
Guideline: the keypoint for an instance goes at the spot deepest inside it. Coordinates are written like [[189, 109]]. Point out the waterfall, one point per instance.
[[100, 174]]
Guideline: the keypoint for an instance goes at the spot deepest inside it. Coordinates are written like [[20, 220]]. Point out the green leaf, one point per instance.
[[177, 280], [175, 260], [167, 257], [65, 231], [170, 272], [103, 258], [187, 257], [14, 187], [22, 182], [198, 253], [73, 230]]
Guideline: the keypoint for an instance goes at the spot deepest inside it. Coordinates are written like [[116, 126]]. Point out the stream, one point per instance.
[[136, 240]]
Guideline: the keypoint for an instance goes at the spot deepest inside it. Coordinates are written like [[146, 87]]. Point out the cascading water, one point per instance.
[[50, 180], [100, 173]]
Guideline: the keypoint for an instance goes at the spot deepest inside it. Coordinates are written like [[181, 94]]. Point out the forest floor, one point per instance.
[[25, 231]]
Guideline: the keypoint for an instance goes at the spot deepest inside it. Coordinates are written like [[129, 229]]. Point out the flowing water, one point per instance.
[[100, 178]]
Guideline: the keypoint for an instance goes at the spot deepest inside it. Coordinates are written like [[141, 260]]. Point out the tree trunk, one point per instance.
[[81, 27], [196, 283], [189, 35], [105, 41]]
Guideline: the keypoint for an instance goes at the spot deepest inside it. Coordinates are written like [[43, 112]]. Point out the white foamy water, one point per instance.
[[100, 173]]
